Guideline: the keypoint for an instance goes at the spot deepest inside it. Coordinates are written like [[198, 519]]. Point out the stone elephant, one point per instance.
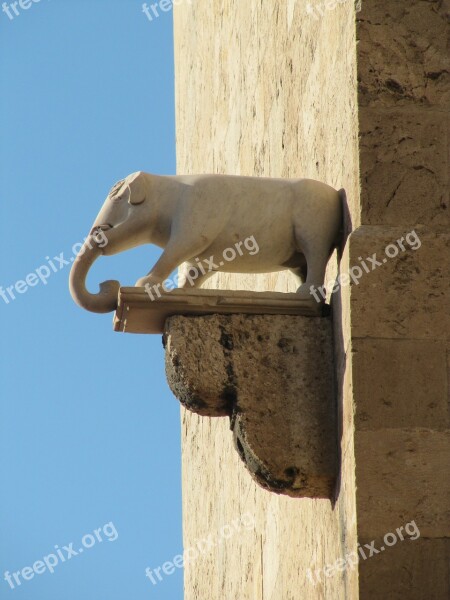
[[295, 222]]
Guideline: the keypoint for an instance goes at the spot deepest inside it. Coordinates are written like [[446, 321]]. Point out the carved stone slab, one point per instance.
[[138, 313]]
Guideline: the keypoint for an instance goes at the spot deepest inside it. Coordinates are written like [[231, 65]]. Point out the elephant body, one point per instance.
[[295, 223]]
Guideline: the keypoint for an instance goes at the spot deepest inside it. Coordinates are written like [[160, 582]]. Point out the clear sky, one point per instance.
[[89, 431]]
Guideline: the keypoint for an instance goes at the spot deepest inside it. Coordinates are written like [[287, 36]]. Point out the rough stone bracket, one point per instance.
[[263, 359], [273, 376]]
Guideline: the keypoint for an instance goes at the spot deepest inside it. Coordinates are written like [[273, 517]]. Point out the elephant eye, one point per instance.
[[122, 196]]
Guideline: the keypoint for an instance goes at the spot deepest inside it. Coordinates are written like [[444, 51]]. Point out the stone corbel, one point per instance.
[[265, 361]]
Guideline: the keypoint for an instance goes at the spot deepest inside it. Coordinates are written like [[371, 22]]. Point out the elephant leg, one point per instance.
[[301, 271], [169, 260], [316, 255], [317, 264]]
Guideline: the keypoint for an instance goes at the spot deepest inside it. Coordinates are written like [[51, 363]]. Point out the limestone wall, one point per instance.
[[264, 88], [400, 312]]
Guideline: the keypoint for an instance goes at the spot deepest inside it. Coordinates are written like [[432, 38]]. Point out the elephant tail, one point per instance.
[[346, 223]]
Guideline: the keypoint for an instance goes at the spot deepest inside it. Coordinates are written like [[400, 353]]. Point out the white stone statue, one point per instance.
[[295, 224]]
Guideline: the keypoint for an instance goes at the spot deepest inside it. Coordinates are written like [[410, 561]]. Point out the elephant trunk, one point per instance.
[[103, 302]]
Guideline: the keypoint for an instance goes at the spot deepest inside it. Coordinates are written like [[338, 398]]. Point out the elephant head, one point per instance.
[[119, 226]]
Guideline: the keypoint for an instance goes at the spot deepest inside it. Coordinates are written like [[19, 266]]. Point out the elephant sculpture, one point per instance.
[[295, 222]]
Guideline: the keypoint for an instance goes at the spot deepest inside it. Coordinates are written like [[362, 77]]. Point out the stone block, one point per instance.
[[404, 167], [400, 384], [407, 295], [403, 53], [402, 475], [416, 570]]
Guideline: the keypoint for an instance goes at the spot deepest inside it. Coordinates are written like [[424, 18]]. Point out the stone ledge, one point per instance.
[[138, 313]]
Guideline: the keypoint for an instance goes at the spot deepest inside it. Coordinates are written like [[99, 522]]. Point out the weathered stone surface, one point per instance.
[[403, 53], [273, 375], [404, 167], [400, 383], [275, 97], [416, 570], [287, 539], [196, 368], [403, 475], [407, 296]]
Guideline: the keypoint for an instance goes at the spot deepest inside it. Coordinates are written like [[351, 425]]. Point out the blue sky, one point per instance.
[[89, 431]]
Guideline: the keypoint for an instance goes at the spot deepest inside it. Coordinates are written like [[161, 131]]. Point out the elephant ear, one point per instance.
[[137, 187], [115, 188]]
